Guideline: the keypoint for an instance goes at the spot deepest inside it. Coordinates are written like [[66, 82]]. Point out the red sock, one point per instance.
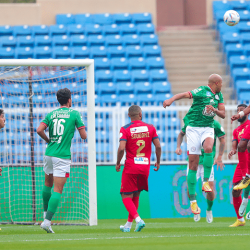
[[236, 202], [136, 202], [243, 161], [131, 208]]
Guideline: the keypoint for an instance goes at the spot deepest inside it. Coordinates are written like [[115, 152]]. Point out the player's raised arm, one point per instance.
[[176, 97], [245, 112], [178, 150], [157, 144], [40, 131]]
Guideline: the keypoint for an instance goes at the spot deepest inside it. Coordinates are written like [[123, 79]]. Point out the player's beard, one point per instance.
[[242, 119]]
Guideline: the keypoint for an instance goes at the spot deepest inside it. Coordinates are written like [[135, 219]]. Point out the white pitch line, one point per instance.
[[135, 237]]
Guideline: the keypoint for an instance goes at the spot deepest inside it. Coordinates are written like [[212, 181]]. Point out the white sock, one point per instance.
[[138, 219], [47, 222], [248, 175], [44, 214], [128, 224], [245, 201], [241, 219], [192, 201]]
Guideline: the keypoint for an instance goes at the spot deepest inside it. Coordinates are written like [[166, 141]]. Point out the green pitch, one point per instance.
[[158, 234]]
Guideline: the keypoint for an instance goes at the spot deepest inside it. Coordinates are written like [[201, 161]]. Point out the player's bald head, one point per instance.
[[215, 82], [214, 78], [135, 112]]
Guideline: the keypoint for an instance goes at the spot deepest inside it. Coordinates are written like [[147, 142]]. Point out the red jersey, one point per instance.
[[139, 136], [239, 131]]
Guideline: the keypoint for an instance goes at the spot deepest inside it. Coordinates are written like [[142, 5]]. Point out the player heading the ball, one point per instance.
[[136, 138], [62, 123], [207, 102]]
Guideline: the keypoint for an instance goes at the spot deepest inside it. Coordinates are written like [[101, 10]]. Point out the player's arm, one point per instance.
[[180, 96], [234, 149], [178, 150], [83, 133], [1, 171], [157, 144], [41, 132], [218, 161], [120, 154], [246, 111], [221, 111]]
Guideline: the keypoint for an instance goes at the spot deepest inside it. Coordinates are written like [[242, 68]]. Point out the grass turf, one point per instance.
[[158, 234]]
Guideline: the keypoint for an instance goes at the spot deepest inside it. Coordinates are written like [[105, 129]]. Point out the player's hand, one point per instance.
[[234, 118], [178, 151], [157, 166], [118, 167], [210, 108], [167, 103], [1, 171], [231, 153], [219, 164]]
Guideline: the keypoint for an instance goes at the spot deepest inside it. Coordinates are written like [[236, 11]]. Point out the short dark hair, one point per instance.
[[1, 111], [134, 110], [63, 95], [242, 105]]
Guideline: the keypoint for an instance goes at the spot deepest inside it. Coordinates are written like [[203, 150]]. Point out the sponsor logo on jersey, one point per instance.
[[193, 149], [208, 94], [212, 101], [141, 160], [139, 129], [121, 135], [217, 97]]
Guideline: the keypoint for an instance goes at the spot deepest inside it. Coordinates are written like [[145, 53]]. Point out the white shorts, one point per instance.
[[200, 173], [57, 166], [196, 136]]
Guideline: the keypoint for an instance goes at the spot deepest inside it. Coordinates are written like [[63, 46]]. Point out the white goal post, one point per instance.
[[91, 146]]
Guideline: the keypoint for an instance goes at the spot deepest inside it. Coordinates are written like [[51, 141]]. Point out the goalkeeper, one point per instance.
[[62, 123]]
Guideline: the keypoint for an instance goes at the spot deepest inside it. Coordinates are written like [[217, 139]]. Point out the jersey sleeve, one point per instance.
[[235, 136], [155, 136], [218, 129], [79, 122], [123, 134], [196, 92], [45, 121]]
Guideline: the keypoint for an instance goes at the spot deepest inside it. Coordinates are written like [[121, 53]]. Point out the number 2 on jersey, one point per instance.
[[58, 126], [141, 145]]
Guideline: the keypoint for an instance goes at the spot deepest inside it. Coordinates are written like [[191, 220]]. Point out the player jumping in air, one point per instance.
[[207, 102], [239, 135], [62, 123], [136, 138], [220, 134]]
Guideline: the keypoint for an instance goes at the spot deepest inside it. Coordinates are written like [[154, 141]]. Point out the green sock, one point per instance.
[[209, 205], [207, 164], [191, 179], [46, 196], [246, 192], [53, 204]]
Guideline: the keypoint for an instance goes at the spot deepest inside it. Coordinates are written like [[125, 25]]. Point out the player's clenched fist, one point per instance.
[[157, 166], [231, 153], [167, 103], [235, 117], [178, 151], [118, 167]]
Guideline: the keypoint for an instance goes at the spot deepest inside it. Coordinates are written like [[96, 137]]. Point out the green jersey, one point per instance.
[[197, 114], [62, 123], [218, 132]]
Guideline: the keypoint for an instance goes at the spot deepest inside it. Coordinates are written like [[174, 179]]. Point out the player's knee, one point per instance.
[[236, 193], [208, 149]]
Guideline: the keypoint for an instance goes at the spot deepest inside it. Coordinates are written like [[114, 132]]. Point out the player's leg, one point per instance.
[[46, 193], [243, 206]]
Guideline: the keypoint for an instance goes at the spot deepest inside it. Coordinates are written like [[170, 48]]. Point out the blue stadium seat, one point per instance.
[[158, 75], [219, 15], [40, 30], [24, 53], [161, 88], [122, 76], [113, 40], [60, 41], [223, 28], [246, 50], [61, 52], [238, 62], [125, 88], [24, 30], [98, 40], [134, 51], [128, 29], [245, 38], [111, 29], [155, 63], [106, 88], [123, 18], [8, 41], [244, 15], [78, 40], [80, 52], [119, 63], [243, 27], [140, 76], [146, 99], [109, 100], [118, 51], [234, 50], [160, 98], [145, 29], [230, 38], [93, 29], [221, 5], [57, 30], [244, 97], [152, 51], [242, 86], [129, 40], [143, 88], [149, 40], [7, 53], [102, 18], [6, 30], [139, 18], [127, 99], [137, 63], [75, 29], [43, 41], [65, 19], [98, 52], [241, 74], [102, 64], [42, 52], [238, 5], [83, 18], [104, 76]]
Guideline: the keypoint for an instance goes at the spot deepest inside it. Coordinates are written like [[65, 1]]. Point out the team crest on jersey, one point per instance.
[[139, 129], [217, 97], [193, 149], [208, 93]]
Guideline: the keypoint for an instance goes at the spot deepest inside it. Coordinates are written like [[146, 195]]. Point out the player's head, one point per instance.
[[215, 81], [135, 113], [241, 107], [64, 97], [2, 118]]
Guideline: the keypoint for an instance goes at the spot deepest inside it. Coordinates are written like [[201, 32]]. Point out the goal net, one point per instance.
[[28, 92]]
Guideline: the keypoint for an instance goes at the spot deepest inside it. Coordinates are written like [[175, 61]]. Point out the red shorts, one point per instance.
[[133, 183], [238, 174], [246, 135]]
